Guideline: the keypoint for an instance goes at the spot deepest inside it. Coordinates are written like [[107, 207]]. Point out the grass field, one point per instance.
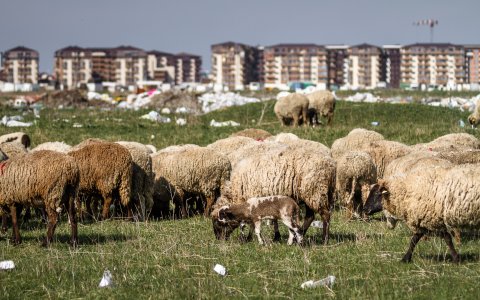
[[174, 259]]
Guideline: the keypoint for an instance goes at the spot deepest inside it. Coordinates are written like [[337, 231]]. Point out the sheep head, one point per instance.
[[378, 193], [473, 120], [224, 223]]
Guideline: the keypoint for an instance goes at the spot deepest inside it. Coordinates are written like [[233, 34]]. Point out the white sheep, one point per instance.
[[323, 103], [53, 146], [292, 107]]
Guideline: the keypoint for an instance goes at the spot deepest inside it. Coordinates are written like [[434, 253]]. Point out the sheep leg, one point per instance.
[[106, 206], [448, 239], [304, 116], [16, 239], [296, 120], [73, 222], [291, 230], [309, 216], [276, 235], [52, 223], [326, 228], [4, 223], [413, 242], [257, 225], [208, 208]]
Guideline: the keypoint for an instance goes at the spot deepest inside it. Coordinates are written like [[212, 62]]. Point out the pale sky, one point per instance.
[[193, 25]]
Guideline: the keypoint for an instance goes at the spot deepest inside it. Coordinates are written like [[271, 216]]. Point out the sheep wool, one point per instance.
[[292, 107], [354, 141], [17, 137], [231, 144], [53, 146], [254, 133], [321, 103]]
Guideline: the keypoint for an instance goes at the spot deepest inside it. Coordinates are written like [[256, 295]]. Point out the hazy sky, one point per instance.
[[193, 25]]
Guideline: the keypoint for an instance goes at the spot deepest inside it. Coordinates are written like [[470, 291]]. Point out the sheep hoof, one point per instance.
[[73, 243], [406, 259], [45, 243], [276, 237], [15, 242]]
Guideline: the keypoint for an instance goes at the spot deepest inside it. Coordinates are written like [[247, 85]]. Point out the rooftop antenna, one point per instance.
[[428, 22]]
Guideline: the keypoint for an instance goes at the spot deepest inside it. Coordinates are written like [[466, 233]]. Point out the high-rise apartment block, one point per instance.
[[364, 66], [20, 65], [187, 68], [472, 57]]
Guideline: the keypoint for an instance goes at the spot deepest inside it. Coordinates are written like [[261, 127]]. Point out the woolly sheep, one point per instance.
[[231, 144], [142, 176], [469, 156], [256, 148], [323, 103], [13, 149], [294, 141], [18, 137], [356, 172], [44, 179], [431, 200], [383, 152], [53, 146], [305, 176], [450, 142], [293, 106], [413, 161], [195, 170], [105, 170], [354, 141], [254, 133]]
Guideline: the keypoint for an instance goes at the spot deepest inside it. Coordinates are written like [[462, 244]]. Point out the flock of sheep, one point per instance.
[[248, 177]]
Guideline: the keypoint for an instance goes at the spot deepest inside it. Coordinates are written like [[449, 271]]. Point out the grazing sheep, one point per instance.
[[194, 170], [294, 141], [323, 103], [254, 133], [227, 218], [434, 200], [45, 179], [354, 141], [356, 172], [256, 148], [17, 137], [383, 152], [305, 176], [292, 107], [142, 177], [106, 171], [450, 142], [414, 160], [460, 157], [231, 144], [53, 146], [13, 149]]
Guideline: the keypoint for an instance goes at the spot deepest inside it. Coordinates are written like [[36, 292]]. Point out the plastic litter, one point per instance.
[[181, 121], [77, 125], [14, 121], [375, 123], [327, 281], [220, 269], [7, 265], [156, 117], [106, 279], [214, 123], [461, 123], [166, 111], [214, 101]]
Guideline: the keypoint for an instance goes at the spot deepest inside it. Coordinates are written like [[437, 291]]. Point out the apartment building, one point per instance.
[[390, 66], [234, 65], [472, 63], [286, 63], [187, 68], [124, 65], [337, 65], [161, 66], [364, 66], [20, 65], [433, 64]]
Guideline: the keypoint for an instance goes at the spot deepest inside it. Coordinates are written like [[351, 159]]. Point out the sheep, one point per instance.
[[17, 137], [293, 106], [474, 118], [469, 156], [53, 146], [294, 141], [305, 176], [450, 142], [383, 152], [354, 141], [195, 170], [44, 179], [231, 144], [142, 176], [13, 149], [152, 148], [433, 200], [254, 133], [356, 172], [227, 218], [323, 103], [254, 149], [414, 160], [105, 170]]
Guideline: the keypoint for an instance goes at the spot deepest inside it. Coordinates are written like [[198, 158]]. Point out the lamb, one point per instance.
[[17, 137], [354, 141], [356, 172], [195, 170], [434, 200], [227, 218], [44, 179], [105, 170], [53, 146], [323, 103], [305, 176], [292, 107], [254, 133]]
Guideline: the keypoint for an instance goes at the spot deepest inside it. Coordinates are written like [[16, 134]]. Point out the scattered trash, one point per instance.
[[77, 125], [106, 279], [461, 123], [14, 121], [181, 121], [220, 269], [214, 101], [375, 123], [282, 94], [166, 110], [182, 110], [328, 282], [317, 224], [7, 265], [156, 117], [214, 123]]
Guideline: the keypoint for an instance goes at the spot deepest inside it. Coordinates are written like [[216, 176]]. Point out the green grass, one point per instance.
[[175, 259]]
